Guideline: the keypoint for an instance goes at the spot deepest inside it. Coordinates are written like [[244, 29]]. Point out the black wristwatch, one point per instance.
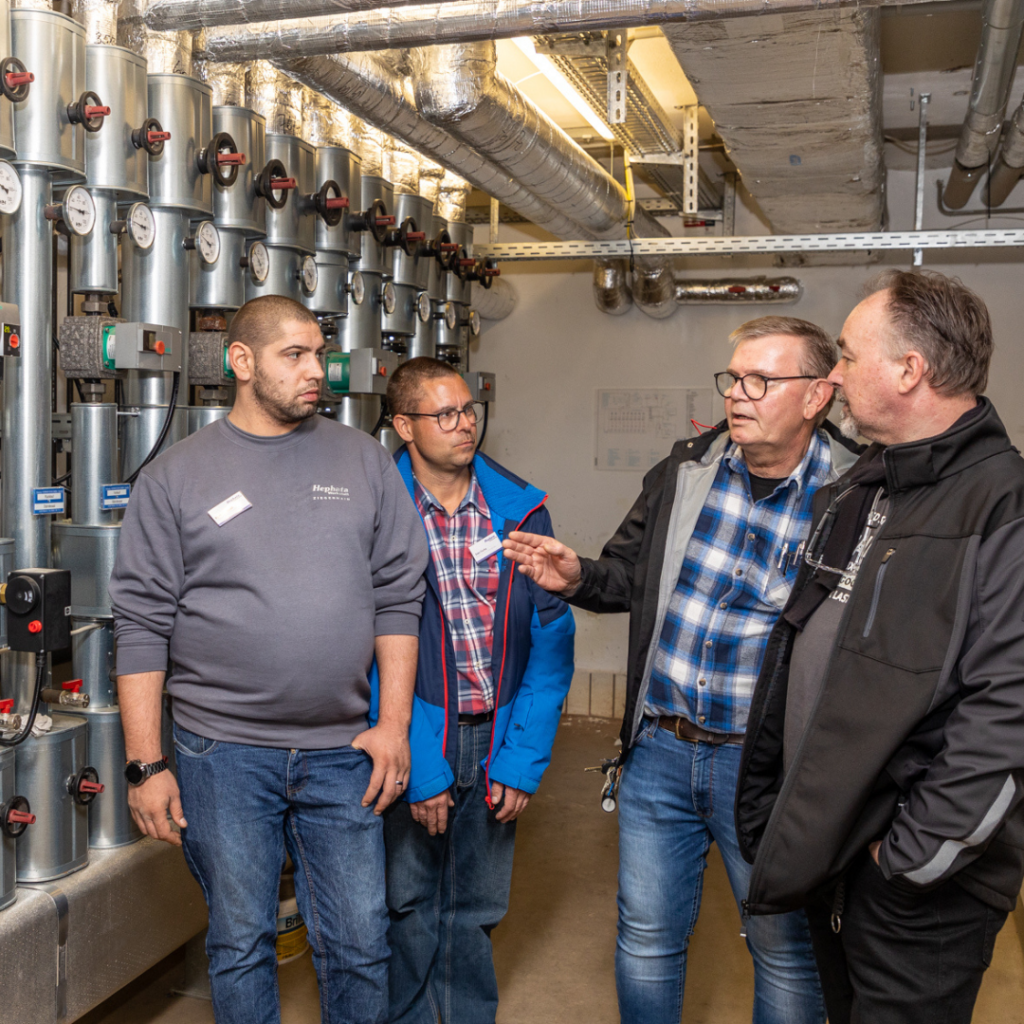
[[136, 772]]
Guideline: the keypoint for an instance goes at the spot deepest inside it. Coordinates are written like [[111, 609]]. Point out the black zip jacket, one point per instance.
[[917, 736]]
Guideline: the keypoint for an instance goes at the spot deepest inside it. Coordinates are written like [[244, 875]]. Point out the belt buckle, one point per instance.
[[679, 722]]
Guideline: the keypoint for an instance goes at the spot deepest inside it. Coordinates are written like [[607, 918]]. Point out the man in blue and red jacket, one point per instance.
[[495, 663]]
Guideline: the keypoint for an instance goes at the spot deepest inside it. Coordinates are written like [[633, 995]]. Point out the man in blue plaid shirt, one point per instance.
[[704, 563]]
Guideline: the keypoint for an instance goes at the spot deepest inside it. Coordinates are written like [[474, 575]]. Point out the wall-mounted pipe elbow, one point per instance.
[[654, 288], [612, 293], [496, 302], [961, 184], [1010, 164]]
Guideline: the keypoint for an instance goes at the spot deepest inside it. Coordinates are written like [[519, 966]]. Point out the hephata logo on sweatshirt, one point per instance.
[[327, 492]]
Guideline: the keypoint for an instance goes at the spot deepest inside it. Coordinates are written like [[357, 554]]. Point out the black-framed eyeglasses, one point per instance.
[[754, 385], [448, 419]]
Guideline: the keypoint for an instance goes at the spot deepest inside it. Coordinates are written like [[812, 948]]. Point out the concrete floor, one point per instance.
[[555, 950]]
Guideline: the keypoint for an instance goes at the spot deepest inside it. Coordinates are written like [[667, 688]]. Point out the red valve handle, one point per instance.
[[467, 263], [416, 236], [6, 707], [385, 221], [341, 203], [157, 136], [74, 685], [283, 184], [487, 272], [449, 247], [232, 159], [94, 112], [21, 817], [85, 786], [16, 78]]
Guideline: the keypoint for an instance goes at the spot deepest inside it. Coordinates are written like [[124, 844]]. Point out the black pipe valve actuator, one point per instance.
[[38, 610]]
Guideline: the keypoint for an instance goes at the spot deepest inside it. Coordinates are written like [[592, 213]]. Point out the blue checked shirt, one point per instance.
[[731, 591]]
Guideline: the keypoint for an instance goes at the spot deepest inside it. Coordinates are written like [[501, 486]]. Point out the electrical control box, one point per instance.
[[135, 346], [38, 610], [10, 328], [363, 371], [482, 386]]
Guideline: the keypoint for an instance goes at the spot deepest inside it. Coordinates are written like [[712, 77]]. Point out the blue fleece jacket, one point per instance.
[[532, 656]]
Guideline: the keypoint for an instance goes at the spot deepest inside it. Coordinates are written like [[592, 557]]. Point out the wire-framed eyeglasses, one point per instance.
[[448, 419], [754, 385]]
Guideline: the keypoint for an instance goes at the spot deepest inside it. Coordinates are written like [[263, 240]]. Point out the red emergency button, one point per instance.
[[159, 348], [487, 385], [383, 371], [35, 626], [15, 341]]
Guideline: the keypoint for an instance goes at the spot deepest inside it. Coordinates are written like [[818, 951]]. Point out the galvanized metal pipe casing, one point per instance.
[[8, 857], [456, 337], [294, 225], [92, 655], [6, 109], [424, 340], [184, 107], [88, 552], [94, 256], [437, 284], [373, 257], [220, 285], [238, 207], [458, 290], [200, 416], [53, 48], [112, 160], [361, 328], [412, 270], [331, 295], [284, 276], [58, 843], [403, 319], [335, 163], [93, 461], [27, 282], [140, 431], [6, 565]]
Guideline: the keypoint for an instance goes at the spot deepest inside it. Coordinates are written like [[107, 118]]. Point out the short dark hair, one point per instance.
[[945, 321], [258, 322], [405, 389]]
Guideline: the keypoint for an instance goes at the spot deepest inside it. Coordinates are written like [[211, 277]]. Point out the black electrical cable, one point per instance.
[[30, 721], [62, 479], [163, 433], [381, 418], [483, 433]]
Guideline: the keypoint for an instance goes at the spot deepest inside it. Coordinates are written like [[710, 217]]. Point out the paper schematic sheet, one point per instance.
[[637, 428]]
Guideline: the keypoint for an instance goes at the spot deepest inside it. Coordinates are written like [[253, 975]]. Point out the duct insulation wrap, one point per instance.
[[733, 291], [100, 20], [612, 293], [226, 80], [363, 86], [192, 14], [496, 302], [431, 176], [166, 53], [654, 288], [405, 169], [275, 97], [453, 198], [326, 123], [467, 21], [375, 152], [32, 5]]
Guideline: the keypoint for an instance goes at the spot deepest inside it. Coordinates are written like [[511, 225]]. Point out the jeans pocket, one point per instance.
[[994, 921], [190, 744]]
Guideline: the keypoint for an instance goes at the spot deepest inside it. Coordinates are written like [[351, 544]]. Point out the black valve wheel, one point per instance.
[[406, 237], [225, 173], [19, 805], [375, 220], [461, 264], [13, 66], [273, 171], [83, 797], [141, 137], [484, 271], [439, 251], [78, 112], [330, 190]]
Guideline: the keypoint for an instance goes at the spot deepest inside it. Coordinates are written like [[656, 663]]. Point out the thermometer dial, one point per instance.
[[389, 298], [10, 188], [208, 242], [474, 323], [259, 262], [357, 286], [79, 210], [310, 275], [423, 310], [141, 226], [451, 316]]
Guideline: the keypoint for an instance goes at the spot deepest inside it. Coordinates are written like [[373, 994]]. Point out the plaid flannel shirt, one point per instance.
[[739, 569], [469, 589]]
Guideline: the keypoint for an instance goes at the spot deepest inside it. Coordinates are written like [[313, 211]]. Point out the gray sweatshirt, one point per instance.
[[268, 619]]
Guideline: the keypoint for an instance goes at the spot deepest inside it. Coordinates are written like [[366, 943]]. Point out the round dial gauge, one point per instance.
[[451, 316], [388, 298], [423, 309], [10, 188], [357, 286], [259, 262], [208, 242], [310, 275], [141, 226], [79, 210], [474, 323]]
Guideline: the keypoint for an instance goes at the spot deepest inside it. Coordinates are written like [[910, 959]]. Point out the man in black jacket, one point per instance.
[[882, 771]]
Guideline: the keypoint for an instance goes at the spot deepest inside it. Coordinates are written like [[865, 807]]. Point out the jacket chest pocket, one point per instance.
[[904, 602]]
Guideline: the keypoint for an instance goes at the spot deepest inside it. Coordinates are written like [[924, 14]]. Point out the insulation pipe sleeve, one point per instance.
[[193, 14], [612, 293], [1010, 164], [733, 291], [496, 302]]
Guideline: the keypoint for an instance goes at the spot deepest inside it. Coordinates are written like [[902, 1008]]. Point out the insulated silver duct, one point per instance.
[[464, 21], [1010, 165], [100, 20], [496, 302], [192, 14], [1002, 22], [733, 291], [363, 86], [431, 176], [612, 293], [226, 80], [275, 97], [165, 52]]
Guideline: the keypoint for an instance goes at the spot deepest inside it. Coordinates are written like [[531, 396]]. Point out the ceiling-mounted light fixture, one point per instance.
[[548, 68]]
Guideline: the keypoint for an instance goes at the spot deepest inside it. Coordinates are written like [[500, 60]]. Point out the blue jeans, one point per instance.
[[675, 798], [244, 805], [445, 895]]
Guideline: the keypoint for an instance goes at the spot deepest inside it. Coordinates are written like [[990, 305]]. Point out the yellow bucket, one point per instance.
[[292, 936]]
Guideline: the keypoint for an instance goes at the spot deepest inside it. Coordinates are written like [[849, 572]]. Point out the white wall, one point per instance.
[[556, 350]]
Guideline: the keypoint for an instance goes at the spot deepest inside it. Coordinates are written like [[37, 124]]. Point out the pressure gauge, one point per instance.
[[451, 316], [10, 188], [474, 323], [140, 225], [79, 210], [423, 309], [259, 262], [388, 298], [357, 286], [310, 275], [208, 242]]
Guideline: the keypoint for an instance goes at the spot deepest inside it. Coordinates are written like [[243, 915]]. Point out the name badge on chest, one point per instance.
[[483, 549], [229, 508]]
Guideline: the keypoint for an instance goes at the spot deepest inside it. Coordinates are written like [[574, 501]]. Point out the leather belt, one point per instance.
[[684, 729], [484, 716]]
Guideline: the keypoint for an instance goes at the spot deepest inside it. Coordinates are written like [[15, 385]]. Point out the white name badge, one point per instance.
[[229, 508], [483, 549]]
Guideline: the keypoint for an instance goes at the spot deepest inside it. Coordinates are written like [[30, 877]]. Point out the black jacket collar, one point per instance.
[[697, 447]]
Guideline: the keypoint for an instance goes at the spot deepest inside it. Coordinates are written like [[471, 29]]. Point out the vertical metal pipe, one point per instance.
[[922, 150], [28, 277], [93, 462]]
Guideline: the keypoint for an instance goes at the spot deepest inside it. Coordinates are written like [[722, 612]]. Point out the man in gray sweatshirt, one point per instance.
[[275, 561]]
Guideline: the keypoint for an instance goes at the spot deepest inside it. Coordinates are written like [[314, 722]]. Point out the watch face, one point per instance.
[[357, 287], [141, 226], [259, 262], [208, 242], [133, 773], [451, 316], [310, 275], [10, 188], [79, 210], [423, 307], [474, 323], [388, 298]]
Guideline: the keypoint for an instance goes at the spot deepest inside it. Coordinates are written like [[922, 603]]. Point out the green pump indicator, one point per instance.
[[338, 366], [109, 336]]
